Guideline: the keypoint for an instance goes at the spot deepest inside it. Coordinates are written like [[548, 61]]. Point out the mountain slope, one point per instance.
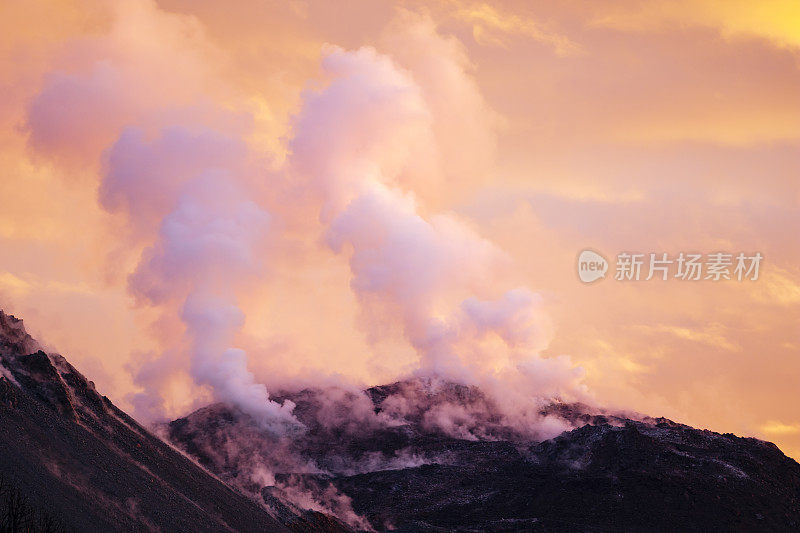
[[417, 455], [68, 450], [473, 470]]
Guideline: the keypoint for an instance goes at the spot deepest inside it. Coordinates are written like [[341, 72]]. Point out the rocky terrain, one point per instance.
[[70, 460], [420, 455], [408, 471]]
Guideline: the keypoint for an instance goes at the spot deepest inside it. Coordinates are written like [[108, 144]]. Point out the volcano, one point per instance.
[[449, 460], [423, 454]]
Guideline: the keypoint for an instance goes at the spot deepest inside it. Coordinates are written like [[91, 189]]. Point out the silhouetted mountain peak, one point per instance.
[[48, 377], [14, 340], [69, 452]]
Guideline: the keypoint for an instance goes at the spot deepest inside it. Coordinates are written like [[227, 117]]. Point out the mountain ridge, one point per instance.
[[608, 472], [416, 455], [69, 450]]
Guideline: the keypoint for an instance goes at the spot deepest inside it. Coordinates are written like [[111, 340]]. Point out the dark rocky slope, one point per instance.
[[70, 453], [403, 473]]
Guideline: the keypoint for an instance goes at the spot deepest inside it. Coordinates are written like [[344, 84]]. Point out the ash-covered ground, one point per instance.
[[431, 455]]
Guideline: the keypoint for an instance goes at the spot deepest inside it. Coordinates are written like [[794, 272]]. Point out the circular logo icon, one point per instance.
[[591, 266]]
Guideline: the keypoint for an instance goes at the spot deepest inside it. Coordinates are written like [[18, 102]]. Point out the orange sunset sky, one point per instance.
[[516, 133]]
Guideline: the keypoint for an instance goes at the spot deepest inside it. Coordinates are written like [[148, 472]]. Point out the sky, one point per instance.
[[203, 199]]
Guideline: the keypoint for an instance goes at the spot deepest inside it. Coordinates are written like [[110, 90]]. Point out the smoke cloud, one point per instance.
[[355, 143], [210, 242], [371, 153]]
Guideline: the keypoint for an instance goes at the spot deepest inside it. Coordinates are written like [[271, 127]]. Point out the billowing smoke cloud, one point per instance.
[[373, 152], [210, 242], [175, 165], [355, 143]]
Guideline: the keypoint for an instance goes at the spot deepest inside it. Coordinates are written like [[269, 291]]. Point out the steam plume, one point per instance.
[[371, 153], [421, 271], [209, 243]]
